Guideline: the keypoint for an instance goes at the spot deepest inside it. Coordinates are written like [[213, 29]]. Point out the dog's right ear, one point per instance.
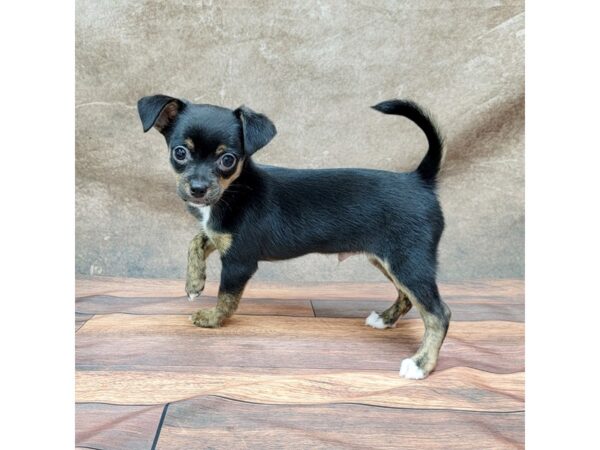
[[159, 111]]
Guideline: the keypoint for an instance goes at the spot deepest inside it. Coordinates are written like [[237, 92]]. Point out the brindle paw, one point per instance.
[[207, 318]]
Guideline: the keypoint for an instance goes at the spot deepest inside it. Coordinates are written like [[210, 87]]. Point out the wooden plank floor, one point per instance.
[[295, 368]]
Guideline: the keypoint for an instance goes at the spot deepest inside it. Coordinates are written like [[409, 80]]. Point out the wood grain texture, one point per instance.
[[461, 310], [479, 391], [116, 427], [276, 376], [218, 423], [81, 319], [490, 290], [107, 304], [469, 310], [291, 342]]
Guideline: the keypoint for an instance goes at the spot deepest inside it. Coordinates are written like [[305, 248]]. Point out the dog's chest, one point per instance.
[[222, 241]]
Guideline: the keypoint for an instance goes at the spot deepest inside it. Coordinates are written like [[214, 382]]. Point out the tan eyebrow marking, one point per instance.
[[220, 149], [189, 143]]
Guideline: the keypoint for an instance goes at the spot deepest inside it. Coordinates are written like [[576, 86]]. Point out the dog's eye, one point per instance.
[[227, 161], [180, 153]]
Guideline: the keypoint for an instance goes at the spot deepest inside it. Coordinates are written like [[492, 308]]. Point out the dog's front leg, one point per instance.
[[200, 248], [234, 276]]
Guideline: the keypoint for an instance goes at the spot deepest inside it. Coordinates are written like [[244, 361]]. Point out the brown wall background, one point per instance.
[[314, 67]]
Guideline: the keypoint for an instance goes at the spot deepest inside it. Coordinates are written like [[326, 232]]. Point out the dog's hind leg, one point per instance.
[[401, 306], [436, 317], [199, 249], [422, 292], [424, 295]]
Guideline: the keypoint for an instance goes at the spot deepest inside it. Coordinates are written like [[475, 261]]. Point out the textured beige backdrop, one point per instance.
[[314, 67]]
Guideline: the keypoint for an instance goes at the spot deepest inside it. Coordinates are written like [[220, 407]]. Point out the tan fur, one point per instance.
[[402, 304], [189, 144], [400, 307], [220, 149], [427, 355], [221, 241], [166, 116], [224, 183], [207, 318], [227, 304], [376, 262], [200, 248]]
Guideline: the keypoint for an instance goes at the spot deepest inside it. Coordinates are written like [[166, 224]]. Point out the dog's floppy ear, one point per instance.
[[159, 111], [257, 128]]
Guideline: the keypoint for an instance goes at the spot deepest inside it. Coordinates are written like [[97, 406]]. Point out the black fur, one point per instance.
[[150, 108], [275, 213], [430, 166]]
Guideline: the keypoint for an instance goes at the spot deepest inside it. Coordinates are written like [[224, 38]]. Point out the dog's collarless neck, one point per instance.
[[237, 198]]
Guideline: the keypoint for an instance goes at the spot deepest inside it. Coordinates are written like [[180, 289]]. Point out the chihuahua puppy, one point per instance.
[[251, 212]]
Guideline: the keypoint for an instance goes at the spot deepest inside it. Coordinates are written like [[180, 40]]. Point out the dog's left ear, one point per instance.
[[257, 128]]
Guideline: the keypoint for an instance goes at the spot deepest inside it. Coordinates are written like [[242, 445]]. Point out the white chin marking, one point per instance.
[[410, 370], [375, 321], [192, 297]]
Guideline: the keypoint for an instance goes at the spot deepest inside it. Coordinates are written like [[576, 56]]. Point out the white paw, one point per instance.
[[408, 369], [375, 321], [192, 297]]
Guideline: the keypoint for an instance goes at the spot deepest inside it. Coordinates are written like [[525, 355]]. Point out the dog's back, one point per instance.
[[359, 209]]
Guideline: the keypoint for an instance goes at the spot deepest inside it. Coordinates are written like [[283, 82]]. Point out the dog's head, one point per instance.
[[208, 144]]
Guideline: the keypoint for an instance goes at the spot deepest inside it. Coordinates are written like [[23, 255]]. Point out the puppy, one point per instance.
[[250, 212]]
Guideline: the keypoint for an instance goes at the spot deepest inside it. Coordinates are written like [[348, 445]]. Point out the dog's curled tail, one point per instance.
[[430, 165]]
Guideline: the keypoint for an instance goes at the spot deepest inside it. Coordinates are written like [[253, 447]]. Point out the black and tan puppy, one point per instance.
[[252, 213]]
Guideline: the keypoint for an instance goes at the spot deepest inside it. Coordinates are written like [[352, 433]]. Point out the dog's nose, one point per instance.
[[198, 188]]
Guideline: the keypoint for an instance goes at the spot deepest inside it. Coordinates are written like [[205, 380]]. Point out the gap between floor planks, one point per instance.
[[511, 290], [496, 431]]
